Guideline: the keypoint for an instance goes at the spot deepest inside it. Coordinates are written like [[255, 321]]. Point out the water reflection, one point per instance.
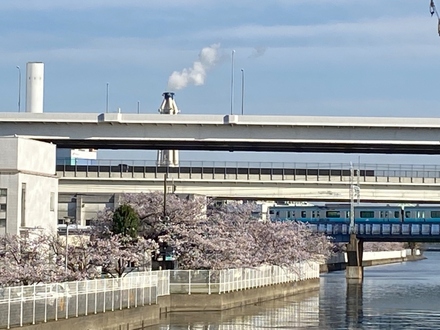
[[398, 296]]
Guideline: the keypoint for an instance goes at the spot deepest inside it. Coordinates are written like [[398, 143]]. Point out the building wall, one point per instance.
[[27, 174]]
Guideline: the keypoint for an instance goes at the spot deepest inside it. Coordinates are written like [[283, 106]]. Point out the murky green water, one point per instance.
[[397, 296]]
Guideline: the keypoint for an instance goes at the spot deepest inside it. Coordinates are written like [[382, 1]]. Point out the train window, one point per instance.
[[420, 214], [288, 214], [303, 214], [271, 211], [313, 214], [278, 213], [407, 214], [396, 214], [367, 214], [435, 214], [333, 214]]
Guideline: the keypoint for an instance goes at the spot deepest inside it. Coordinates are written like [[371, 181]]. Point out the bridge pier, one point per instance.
[[355, 249]]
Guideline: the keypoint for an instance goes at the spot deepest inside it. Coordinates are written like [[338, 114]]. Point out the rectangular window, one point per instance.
[[407, 214], [3, 192], [367, 214], [23, 204], [333, 214], [396, 214], [52, 202], [3, 207], [435, 214], [303, 214], [3, 223], [271, 212]]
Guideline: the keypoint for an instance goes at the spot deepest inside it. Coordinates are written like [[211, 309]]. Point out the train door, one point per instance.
[[420, 214], [384, 215], [408, 215]]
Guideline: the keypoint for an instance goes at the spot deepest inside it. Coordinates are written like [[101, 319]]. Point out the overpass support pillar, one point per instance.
[[354, 270]]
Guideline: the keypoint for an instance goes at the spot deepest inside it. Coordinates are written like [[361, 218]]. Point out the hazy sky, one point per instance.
[[300, 57]]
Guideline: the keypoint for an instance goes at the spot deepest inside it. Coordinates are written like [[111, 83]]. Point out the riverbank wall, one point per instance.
[[218, 302], [339, 261], [145, 316]]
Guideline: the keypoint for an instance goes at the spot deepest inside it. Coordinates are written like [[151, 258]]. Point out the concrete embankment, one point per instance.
[[339, 261], [219, 302], [145, 316]]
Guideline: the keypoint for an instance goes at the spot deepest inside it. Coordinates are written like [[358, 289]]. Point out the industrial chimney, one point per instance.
[[168, 107], [34, 87]]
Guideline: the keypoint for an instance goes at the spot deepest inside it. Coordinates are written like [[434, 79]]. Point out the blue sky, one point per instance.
[[301, 57]]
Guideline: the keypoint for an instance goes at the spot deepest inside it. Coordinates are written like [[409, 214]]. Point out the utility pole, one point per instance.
[[352, 225], [165, 196]]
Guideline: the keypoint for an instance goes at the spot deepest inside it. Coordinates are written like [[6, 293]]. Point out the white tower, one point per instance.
[[34, 87], [168, 107]]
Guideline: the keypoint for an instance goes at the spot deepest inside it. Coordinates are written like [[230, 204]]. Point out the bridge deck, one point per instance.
[[382, 232]]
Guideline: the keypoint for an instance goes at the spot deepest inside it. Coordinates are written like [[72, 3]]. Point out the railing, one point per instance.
[[228, 280], [32, 304], [255, 171]]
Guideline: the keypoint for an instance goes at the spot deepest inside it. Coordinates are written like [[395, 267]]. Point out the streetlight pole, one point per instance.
[[106, 100], [242, 92], [19, 88], [67, 222], [232, 82], [165, 196]]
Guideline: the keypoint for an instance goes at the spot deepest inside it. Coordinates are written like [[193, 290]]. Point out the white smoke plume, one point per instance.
[[208, 58], [258, 52]]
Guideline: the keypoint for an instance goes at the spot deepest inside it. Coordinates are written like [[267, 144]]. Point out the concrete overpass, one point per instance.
[[267, 181], [230, 132], [86, 189]]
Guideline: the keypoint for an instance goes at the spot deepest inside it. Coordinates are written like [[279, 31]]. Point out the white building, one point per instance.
[[28, 186]]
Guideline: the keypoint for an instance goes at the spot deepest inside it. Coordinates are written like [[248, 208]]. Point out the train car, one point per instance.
[[332, 213], [421, 213], [373, 213], [337, 213]]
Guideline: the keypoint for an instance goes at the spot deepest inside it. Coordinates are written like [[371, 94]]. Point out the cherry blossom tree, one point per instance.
[[209, 236], [29, 260], [119, 255]]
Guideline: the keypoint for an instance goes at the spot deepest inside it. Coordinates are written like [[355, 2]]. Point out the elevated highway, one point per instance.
[[261, 181], [230, 132]]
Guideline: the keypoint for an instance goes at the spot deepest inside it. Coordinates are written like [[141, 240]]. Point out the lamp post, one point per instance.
[[232, 82], [19, 88], [242, 92], [106, 100], [67, 222]]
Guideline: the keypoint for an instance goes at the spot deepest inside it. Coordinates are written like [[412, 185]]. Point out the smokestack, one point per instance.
[[34, 87], [168, 107]]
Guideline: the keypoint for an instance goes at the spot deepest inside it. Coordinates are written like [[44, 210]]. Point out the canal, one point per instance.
[[396, 296]]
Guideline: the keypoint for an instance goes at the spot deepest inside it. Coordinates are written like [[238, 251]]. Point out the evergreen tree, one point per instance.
[[125, 221]]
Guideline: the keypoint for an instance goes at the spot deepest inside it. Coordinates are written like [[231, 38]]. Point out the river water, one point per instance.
[[396, 296]]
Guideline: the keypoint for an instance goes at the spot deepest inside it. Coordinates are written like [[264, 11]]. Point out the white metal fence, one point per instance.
[[33, 304], [227, 280]]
